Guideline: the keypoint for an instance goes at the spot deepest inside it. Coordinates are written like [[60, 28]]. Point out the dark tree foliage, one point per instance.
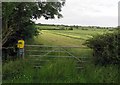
[[17, 19]]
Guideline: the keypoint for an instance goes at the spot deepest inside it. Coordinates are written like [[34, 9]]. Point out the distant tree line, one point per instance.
[[67, 27]]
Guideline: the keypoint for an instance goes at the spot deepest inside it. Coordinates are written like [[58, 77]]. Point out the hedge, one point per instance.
[[106, 48]]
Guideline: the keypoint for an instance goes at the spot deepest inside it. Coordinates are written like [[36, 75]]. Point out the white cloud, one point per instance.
[[88, 12]]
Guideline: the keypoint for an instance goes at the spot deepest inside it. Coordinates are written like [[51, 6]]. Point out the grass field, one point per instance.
[[63, 70]]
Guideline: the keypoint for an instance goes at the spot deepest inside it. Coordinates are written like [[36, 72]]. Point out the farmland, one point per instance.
[[82, 47], [63, 70]]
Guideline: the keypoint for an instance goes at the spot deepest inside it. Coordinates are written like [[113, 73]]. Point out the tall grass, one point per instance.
[[18, 71], [99, 74], [58, 70], [63, 71]]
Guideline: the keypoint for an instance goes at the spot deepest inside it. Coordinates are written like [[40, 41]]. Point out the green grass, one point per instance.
[[58, 71], [81, 34], [64, 71], [61, 70], [91, 73], [49, 38], [18, 71], [99, 74]]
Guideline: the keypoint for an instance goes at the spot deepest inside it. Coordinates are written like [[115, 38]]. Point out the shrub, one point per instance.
[[106, 48], [84, 28]]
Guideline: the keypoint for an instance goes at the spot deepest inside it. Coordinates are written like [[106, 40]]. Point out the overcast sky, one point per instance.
[[87, 12]]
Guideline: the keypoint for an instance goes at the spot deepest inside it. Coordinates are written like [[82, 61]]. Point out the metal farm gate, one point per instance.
[[43, 53]]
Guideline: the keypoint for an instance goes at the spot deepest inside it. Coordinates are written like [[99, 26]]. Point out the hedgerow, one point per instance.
[[106, 48]]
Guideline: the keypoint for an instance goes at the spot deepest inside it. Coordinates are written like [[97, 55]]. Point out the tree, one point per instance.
[[17, 17]]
